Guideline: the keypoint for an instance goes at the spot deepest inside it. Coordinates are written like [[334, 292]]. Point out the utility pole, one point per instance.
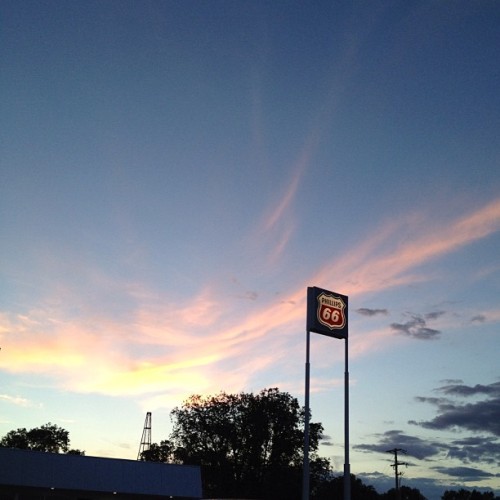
[[397, 474]]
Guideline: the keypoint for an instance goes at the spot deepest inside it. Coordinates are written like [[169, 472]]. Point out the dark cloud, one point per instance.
[[434, 315], [246, 295], [383, 483], [475, 449], [465, 390], [479, 416], [413, 445], [380, 481], [364, 311], [430, 488], [480, 318], [464, 473], [433, 400], [476, 417], [450, 381], [416, 328], [465, 455], [326, 440]]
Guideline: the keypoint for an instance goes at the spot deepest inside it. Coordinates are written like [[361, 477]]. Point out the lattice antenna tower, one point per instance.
[[146, 436]]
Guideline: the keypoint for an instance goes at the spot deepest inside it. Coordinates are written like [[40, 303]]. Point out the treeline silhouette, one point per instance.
[[251, 446], [247, 446]]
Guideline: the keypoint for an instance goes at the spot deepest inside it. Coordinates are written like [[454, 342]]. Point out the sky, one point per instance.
[[175, 174]]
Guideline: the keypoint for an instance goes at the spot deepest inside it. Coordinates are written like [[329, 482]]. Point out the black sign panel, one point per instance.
[[327, 313]]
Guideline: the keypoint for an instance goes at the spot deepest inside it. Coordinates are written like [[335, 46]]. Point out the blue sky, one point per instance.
[[174, 175]]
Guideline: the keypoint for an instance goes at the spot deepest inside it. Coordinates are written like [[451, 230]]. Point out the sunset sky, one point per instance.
[[175, 174]]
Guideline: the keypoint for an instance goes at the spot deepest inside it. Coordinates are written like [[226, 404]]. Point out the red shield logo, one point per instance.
[[331, 311]]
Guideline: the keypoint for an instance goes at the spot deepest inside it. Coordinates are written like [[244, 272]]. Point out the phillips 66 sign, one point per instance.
[[327, 312]]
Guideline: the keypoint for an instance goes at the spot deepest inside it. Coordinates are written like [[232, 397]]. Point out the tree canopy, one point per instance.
[[468, 495], [249, 445], [49, 437], [334, 488], [405, 493]]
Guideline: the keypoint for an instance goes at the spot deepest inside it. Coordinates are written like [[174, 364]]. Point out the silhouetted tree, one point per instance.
[[248, 445], [405, 493], [334, 488], [468, 495], [48, 437], [163, 452]]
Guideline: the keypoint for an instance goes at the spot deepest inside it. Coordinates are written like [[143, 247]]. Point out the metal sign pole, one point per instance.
[[347, 465], [327, 314], [305, 478]]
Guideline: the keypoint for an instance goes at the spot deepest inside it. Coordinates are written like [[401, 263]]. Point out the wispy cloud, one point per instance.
[[188, 344], [283, 205], [434, 315], [19, 401], [465, 473], [273, 234], [486, 316], [479, 318], [373, 265], [364, 311]]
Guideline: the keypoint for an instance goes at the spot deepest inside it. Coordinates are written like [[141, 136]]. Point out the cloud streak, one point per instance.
[[188, 344], [19, 401], [373, 265], [364, 311]]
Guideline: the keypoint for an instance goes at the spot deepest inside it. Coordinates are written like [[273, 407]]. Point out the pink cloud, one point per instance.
[[169, 347], [374, 265]]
